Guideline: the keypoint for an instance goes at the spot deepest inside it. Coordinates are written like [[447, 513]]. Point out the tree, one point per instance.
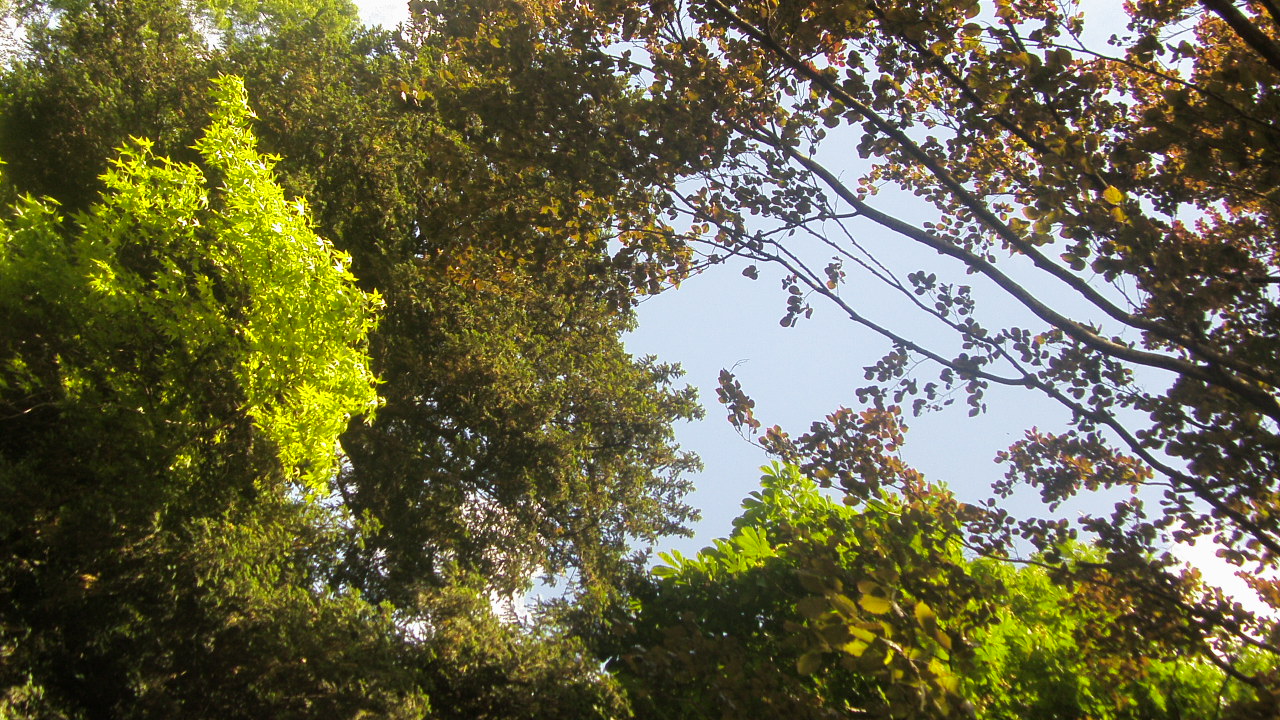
[[810, 609], [517, 436], [1119, 198], [178, 363], [180, 360], [1040, 658], [817, 608]]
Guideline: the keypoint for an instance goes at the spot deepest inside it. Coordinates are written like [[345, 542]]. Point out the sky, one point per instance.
[[723, 320], [387, 13]]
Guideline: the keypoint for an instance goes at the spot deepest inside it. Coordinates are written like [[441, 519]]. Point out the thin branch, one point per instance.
[[1263, 401], [1077, 331]]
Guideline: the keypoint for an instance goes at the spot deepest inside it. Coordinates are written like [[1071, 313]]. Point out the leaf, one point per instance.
[[812, 607], [843, 605], [808, 663], [924, 613], [868, 587], [943, 638], [862, 633], [875, 605], [811, 582], [855, 647], [834, 635]]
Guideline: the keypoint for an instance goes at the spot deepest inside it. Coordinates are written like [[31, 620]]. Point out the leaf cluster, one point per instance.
[[819, 608]]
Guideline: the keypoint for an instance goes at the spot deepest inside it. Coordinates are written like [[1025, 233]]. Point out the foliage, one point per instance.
[[160, 260], [810, 609], [480, 667], [178, 362], [210, 557], [1039, 659], [181, 359], [181, 352], [741, 630], [1114, 202], [517, 435], [66, 112]]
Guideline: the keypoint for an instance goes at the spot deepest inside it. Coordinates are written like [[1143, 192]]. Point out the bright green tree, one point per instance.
[[810, 609], [178, 362], [818, 608], [1040, 658]]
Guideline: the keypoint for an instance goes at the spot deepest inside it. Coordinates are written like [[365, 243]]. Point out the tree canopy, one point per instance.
[[299, 374], [179, 360], [513, 435], [1110, 201], [512, 416]]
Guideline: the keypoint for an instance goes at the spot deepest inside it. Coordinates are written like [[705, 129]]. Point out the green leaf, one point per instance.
[[875, 605]]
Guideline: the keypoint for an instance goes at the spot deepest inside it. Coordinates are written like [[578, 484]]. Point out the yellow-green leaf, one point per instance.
[[855, 648], [875, 605], [924, 613], [844, 605]]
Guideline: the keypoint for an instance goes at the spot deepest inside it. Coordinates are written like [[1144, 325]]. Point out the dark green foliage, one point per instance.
[[207, 560], [505, 384], [514, 419], [478, 667], [66, 111]]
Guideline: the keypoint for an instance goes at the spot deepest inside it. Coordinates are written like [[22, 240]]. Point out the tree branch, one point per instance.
[[1261, 400], [1245, 30]]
